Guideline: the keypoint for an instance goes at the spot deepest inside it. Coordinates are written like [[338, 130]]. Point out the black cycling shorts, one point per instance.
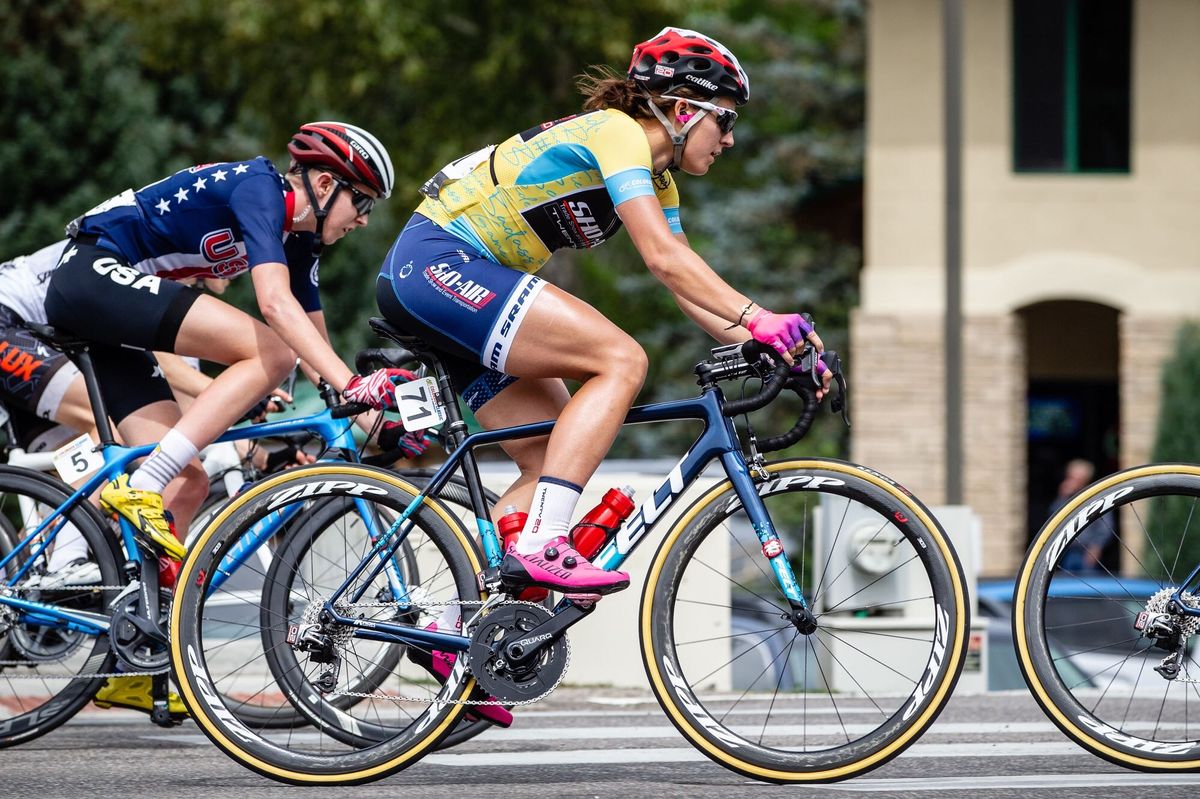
[[96, 295]]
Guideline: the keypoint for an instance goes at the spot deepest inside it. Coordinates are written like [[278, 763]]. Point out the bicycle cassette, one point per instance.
[[513, 683]]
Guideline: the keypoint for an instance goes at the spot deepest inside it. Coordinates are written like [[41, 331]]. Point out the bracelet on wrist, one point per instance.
[[745, 310]]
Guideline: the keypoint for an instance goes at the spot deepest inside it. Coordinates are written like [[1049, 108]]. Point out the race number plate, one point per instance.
[[77, 460], [420, 404]]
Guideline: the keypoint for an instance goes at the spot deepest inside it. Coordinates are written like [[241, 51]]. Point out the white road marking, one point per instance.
[[1017, 783]]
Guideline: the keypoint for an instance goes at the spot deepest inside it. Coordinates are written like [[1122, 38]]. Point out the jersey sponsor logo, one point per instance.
[[220, 248], [124, 275], [506, 329], [708, 84], [581, 214], [662, 181], [17, 362], [450, 283], [218, 245], [635, 183], [529, 134]]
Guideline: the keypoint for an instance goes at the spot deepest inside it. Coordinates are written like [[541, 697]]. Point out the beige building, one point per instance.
[[1081, 245]]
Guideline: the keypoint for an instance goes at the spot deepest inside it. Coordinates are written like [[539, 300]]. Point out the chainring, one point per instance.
[[133, 647], [533, 679]]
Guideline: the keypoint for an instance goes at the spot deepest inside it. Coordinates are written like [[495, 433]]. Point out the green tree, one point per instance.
[[83, 121], [1171, 523], [800, 135]]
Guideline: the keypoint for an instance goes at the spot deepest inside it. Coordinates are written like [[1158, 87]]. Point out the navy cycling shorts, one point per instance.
[[437, 287]]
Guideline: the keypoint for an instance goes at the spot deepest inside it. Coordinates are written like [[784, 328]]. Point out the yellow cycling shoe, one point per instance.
[[134, 693], [144, 510]]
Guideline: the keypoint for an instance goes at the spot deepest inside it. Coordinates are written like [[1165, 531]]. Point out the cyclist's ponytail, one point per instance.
[[603, 87]]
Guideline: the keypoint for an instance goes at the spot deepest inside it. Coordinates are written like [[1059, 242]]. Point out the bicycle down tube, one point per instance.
[[717, 440]]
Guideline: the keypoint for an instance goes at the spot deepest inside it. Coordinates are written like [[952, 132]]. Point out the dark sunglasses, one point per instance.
[[363, 203]]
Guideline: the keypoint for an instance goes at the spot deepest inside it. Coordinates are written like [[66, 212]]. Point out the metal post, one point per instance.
[[952, 16]]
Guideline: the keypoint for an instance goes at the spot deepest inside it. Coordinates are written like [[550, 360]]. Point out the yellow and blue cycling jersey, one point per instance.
[[552, 186]]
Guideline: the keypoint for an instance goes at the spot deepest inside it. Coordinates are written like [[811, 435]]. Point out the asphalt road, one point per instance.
[[582, 744]]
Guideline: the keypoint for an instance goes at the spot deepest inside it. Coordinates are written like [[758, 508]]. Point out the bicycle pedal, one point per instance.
[[162, 717]]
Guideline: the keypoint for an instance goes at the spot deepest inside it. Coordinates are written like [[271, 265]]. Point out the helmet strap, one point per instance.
[[319, 210], [678, 137]]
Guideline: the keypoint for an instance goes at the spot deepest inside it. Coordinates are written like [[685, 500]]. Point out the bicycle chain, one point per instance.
[[473, 702], [41, 676]]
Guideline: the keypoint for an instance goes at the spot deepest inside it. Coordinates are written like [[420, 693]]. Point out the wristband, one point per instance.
[[745, 310]]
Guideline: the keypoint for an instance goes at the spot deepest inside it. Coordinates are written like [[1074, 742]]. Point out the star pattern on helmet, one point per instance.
[[240, 169], [163, 206], [219, 175], [200, 184], [181, 195]]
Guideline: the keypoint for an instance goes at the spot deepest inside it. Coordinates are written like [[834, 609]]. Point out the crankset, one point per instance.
[[138, 642], [535, 671]]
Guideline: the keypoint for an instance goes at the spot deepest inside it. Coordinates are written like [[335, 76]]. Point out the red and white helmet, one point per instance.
[[346, 150], [677, 58]]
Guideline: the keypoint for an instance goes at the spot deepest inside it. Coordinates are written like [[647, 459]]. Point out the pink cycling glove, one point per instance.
[[394, 436], [377, 389], [780, 331]]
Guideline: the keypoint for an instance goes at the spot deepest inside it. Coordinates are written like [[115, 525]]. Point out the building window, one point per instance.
[[1071, 79]]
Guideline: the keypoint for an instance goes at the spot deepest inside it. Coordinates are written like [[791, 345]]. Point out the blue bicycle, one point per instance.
[[846, 571], [58, 645]]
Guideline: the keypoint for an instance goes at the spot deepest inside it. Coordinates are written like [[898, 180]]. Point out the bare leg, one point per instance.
[[185, 493], [526, 401], [258, 361], [564, 337]]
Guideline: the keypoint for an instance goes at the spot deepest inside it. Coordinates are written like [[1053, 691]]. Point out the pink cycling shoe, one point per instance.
[[560, 568], [441, 664]]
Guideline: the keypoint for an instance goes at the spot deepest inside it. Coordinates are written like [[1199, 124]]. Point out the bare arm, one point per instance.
[[716, 327], [296, 327], [680, 269]]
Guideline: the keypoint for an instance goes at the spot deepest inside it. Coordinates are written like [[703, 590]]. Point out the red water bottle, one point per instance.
[[510, 526], [602, 521]]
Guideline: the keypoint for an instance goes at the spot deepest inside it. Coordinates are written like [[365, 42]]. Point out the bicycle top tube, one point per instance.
[[334, 432]]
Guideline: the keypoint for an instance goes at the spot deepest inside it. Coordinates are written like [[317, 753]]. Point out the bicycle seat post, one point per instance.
[[83, 359], [77, 350]]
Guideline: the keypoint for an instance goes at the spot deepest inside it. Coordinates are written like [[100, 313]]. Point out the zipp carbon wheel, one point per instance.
[[44, 666], [217, 644], [1109, 656], [753, 691]]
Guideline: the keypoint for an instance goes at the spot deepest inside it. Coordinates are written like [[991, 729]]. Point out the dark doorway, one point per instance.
[[1073, 400]]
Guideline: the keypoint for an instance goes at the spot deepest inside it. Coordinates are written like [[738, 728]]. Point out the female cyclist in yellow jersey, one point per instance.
[[460, 276]]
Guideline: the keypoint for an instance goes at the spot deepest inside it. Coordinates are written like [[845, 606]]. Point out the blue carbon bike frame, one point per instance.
[[717, 441], [335, 432]]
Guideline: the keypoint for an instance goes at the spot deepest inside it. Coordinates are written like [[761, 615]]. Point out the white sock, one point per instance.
[[554, 501], [69, 545], [165, 463], [451, 618]]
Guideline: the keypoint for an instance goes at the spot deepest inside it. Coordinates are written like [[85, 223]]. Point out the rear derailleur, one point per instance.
[[1167, 625]]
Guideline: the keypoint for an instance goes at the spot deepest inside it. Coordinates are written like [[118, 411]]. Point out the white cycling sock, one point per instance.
[[69, 545], [165, 463], [554, 501]]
